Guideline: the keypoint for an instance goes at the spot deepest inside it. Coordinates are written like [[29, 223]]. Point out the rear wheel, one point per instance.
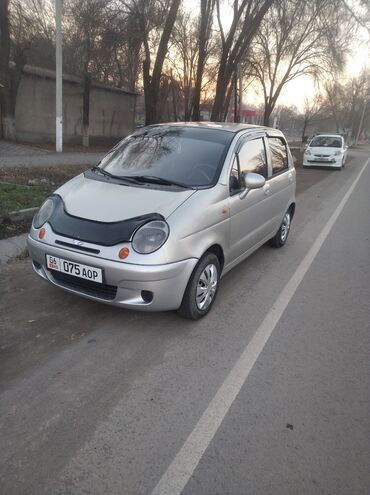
[[281, 235], [200, 293]]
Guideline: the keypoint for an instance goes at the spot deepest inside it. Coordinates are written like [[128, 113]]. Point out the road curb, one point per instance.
[[52, 159], [11, 248]]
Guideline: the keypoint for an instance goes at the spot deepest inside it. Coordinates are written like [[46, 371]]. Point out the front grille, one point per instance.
[[318, 161], [102, 291]]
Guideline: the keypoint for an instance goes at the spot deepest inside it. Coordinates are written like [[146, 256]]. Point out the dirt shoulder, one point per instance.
[[27, 187]]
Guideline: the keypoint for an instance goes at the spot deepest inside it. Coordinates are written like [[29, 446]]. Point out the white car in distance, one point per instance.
[[325, 150]]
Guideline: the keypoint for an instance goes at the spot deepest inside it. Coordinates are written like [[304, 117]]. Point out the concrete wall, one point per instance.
[[112, 110]]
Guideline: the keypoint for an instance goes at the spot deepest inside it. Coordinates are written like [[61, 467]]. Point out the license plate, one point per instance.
[[76, 269]]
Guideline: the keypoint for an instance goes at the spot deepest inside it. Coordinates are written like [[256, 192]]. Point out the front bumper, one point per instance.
[[337, 163], [165, 284]]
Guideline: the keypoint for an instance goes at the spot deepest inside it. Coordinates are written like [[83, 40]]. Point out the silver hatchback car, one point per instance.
[[167, 212]]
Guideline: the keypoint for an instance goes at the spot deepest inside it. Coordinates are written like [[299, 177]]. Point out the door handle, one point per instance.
[[290, 177], [266, 190]]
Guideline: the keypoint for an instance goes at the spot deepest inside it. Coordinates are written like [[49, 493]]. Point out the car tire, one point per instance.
[[201, 291], [282, 234]]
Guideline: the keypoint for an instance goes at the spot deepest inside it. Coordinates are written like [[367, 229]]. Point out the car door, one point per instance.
[[281, 181], [250, 213]]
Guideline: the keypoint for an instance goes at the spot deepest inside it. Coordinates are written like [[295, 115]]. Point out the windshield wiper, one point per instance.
[[159, 180], [103, 172], [141, 178], [112, 176]]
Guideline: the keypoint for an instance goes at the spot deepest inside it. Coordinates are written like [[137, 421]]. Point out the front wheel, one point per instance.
[[281, 235], [200, 293]]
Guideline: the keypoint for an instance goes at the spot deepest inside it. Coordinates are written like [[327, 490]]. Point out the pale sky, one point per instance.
[[297, 90]]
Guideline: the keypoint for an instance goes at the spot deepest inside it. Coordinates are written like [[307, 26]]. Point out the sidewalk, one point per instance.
[[11, 248], [18, 155]]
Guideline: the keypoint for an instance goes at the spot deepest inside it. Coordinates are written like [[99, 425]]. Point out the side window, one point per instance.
[[252, 157], [279, 155]]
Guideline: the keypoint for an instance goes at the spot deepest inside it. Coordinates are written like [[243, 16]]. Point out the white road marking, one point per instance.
[[184, 464]]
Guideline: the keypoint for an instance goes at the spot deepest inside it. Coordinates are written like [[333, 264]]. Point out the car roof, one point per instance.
[[223, 126], [327, 135]]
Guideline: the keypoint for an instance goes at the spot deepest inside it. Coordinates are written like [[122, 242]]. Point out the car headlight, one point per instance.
[[337, 153], [150, 237], [307, 152], [44, 213]]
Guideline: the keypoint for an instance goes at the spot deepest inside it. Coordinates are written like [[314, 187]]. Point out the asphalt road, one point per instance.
[[269, 394]]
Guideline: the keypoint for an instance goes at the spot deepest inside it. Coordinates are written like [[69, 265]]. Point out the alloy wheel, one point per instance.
[[206, 287], [285, 226]]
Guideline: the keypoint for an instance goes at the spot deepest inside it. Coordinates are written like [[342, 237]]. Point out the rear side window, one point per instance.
[[252, 157], [279, 155]]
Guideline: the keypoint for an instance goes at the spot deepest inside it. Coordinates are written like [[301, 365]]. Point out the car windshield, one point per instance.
[[326, 142], [188, 156]]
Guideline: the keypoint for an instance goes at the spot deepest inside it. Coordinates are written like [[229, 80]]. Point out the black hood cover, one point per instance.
[[102, 233]]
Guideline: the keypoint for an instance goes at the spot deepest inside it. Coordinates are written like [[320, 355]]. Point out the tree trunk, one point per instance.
[[305, 123], [86, 109], [187, 103], [206, 15], [152, 84], [218, 108], [173, 92], [236, 111], [227, 102], [234, 48], [267, 114], [9, 76]]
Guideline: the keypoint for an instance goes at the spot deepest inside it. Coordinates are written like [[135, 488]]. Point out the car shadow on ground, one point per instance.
[[38, 319]]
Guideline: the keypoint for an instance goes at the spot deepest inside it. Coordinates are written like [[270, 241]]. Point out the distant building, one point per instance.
[[112, 110]]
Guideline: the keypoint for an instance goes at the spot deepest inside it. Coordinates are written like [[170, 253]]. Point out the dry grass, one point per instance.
[[27, 187]]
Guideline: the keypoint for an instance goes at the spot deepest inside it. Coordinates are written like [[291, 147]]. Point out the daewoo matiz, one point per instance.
[[169, 210]]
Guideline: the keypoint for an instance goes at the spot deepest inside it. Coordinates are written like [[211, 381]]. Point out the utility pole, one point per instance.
[[58, 77], [362, 118], [240, 102], [237, 94], [276, 119], [236, 97]]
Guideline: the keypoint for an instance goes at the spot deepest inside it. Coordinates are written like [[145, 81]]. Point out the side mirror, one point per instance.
[[252, 181]]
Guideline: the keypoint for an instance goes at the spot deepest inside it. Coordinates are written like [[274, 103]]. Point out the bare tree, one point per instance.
[[122, 40], [6, 101], [182, 59], [247, 17], [345, 100], [156, 21], [87, 20], [204, 35], [334, 100], [297, 37], [312, 110], [20, 24]]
